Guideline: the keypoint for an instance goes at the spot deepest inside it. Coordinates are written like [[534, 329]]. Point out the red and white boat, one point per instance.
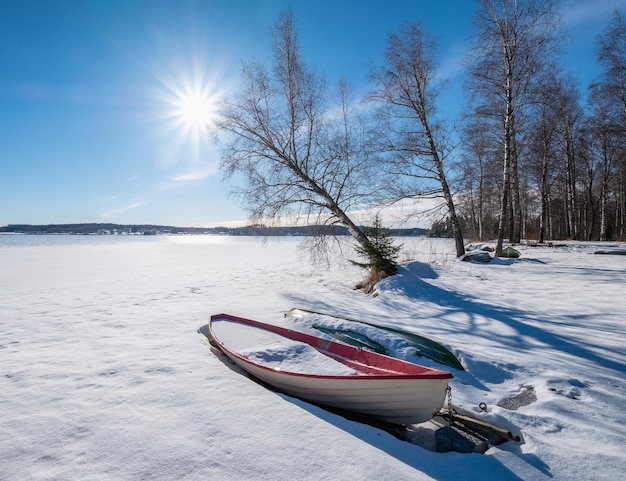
[[331, 373]]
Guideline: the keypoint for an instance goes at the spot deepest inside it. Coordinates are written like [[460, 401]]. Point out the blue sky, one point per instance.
[[97, 97]]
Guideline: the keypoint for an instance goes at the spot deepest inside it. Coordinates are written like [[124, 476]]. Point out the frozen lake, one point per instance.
[[104, 377]]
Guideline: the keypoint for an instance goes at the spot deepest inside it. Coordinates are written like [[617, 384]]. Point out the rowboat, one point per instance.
[[331, 373]]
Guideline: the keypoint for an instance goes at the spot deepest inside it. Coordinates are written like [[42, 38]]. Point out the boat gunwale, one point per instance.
[[382, 373]]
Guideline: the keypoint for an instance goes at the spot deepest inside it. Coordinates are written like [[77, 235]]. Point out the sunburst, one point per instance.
[[191, 105], [195, 110]]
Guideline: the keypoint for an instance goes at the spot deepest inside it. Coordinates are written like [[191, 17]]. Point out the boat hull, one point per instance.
[[378, 386]]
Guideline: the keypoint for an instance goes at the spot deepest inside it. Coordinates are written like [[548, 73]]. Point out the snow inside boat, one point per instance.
[[331, 373]]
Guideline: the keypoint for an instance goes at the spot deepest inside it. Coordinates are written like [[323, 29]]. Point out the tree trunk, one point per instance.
[[571, 187], [544, 195], [447, 194], [504, 202], [507, 154], [481, 194], [603, 213], [516, 204]]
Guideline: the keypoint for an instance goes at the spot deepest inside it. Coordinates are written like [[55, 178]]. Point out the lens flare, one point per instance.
[[189, 111], [195, 110]]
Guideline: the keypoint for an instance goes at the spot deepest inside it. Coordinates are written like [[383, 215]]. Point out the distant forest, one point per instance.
[[149, 229]]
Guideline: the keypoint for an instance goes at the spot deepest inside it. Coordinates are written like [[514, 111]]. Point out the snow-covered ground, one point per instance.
[[104, 377]]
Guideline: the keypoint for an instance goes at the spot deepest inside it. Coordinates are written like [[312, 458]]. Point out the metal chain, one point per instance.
[[450, 408]]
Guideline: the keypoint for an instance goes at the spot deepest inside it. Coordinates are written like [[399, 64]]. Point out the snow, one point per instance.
[[277, 352], [103, 375]]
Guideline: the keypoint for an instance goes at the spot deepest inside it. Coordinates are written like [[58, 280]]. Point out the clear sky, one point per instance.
[[100, 100]]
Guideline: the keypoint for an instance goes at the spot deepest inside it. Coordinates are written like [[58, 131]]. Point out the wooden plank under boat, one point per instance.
[[331, 373]]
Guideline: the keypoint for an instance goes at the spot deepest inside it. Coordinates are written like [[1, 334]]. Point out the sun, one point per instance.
[[187, 110], [196, 111]]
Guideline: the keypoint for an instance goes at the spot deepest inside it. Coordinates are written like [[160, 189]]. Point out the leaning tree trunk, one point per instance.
[[357, 234], [447, 193]]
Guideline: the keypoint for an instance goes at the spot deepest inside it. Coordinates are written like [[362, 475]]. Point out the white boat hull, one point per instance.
[[393, 400]]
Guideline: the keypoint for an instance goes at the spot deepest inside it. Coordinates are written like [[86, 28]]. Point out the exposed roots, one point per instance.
[[369, 283]]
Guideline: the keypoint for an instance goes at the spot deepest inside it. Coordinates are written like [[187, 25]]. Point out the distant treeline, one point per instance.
[[149, 229]]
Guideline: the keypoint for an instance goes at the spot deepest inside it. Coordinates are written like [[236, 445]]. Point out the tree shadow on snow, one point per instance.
[[527, 334], [408, 294]]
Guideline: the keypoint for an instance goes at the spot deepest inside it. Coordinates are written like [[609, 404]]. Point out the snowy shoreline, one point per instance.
[[103, 376]]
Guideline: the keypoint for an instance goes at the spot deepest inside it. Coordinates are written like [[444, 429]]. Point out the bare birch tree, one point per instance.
[[298, 155], [543, 147], [612, 57], [515, 40], [607, 149], [418, 143], [570, 119], [479, 163]]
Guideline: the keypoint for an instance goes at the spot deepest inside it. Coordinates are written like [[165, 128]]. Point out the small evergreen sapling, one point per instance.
[[380, 258]]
